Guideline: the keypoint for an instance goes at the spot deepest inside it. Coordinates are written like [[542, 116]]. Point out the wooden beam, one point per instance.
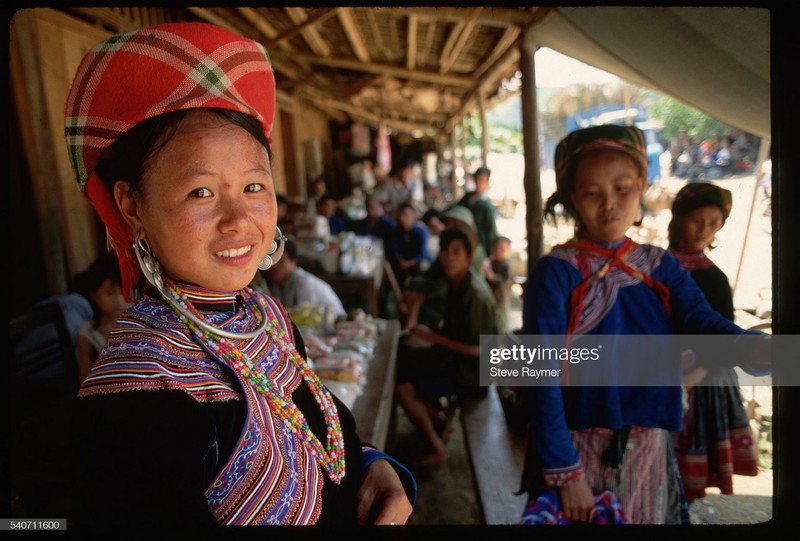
[[375, 33], [310, 34], [320, 15], [393, 71], [492, 16], [450, 43], [209, 16], [353, 34], [427, 44], [116, 21], [259, 21], [411, 42], [467, 28], [413, 116], [360, 113], [506, 41]]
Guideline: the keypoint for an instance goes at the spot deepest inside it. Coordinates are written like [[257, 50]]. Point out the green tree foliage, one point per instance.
[[505, 139], [680, 120]]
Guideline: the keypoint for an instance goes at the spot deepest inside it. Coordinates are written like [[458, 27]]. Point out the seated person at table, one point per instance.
[[408, 245], [434, 221], [328, 207], [425, 293], [376, 223], [450, 365], [499, 277], [293, 285]]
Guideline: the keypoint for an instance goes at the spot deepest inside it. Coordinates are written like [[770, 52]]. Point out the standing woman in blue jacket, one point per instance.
[[586, 443]]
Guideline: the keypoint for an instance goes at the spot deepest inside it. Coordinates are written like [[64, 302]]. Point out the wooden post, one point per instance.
[[530, 137], [484, 128], [453, 142], [763, 153]]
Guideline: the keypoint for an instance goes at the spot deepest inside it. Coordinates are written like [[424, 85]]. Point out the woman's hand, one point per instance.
[[577, 501], [381, 496]]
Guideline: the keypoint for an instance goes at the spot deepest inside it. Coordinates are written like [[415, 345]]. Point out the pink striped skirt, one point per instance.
[[647, 483]]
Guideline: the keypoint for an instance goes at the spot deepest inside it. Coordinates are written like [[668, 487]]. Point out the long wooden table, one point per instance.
[[373, 408]]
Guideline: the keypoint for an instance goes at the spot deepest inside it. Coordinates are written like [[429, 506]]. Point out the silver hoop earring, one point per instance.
[[149, 265], [275, 251]]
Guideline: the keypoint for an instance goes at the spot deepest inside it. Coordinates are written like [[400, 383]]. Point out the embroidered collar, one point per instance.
[[692, 261], [205, 300]]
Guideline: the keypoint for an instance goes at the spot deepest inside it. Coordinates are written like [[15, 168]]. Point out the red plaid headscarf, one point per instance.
[[141, 74]]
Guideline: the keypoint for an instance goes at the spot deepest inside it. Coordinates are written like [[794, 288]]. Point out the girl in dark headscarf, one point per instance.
[[716, 440], [588, 440]]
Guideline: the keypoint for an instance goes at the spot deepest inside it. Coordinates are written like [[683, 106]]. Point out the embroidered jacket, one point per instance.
[[616, 301], [174, 435]]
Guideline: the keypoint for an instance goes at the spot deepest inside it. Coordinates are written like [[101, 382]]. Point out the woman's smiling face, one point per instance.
[[207, 204], [608, 188]]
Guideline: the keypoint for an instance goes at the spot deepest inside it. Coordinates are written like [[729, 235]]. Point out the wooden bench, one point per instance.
[[496, 455]]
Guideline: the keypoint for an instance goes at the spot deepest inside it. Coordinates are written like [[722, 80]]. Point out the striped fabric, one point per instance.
[[603, 281], [270, 477], [546, 509], [642, 482]]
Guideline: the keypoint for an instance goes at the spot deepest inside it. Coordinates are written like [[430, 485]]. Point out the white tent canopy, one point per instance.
[[714, 59]]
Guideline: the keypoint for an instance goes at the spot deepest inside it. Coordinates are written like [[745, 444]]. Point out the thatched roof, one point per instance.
[[418, 69], [424, 68]]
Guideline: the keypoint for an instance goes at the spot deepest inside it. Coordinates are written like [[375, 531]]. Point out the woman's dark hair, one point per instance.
[[130, 155], [456, 233], [431, 213]]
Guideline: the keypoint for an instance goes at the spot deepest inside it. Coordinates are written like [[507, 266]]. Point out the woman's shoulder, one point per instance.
[[561, 257], [150, 349]]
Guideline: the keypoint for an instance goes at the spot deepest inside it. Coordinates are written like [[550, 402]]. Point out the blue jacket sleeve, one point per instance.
[[693, 315], [370, 455], [545, 305]]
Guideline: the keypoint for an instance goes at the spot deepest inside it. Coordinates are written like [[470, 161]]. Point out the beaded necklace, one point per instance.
[[331, 457]]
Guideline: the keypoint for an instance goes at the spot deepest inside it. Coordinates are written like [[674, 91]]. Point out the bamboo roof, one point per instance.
[[416, 69]]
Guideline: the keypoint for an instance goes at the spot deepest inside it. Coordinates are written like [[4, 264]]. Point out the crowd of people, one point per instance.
[[393, 210], [200, 407]]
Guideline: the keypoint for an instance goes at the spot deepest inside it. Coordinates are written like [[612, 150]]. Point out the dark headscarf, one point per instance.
[[693, 196], [578, 143], [700, 194]]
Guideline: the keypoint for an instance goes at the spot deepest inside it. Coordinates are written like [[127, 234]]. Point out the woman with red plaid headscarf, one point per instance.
[[201, 408]]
